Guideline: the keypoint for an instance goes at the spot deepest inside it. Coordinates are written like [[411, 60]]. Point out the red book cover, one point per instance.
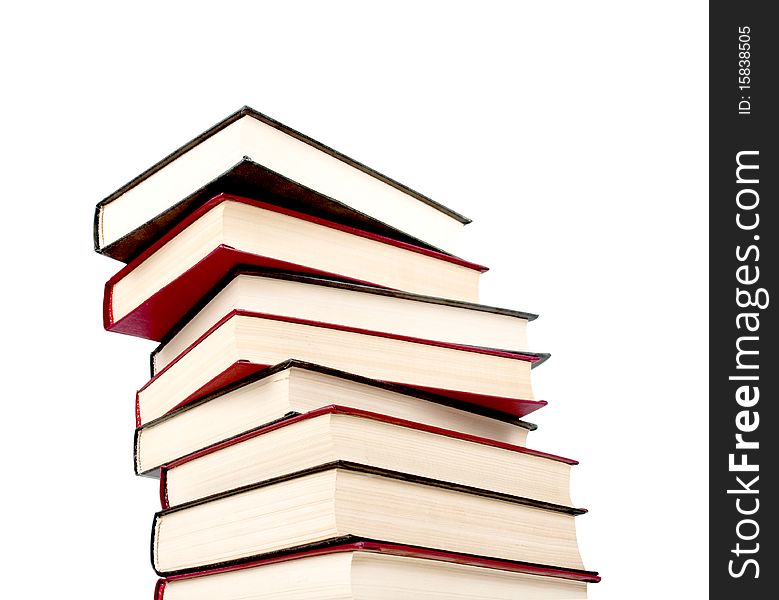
[[242, 368], [346, 410], [393, 549], [155, 317]]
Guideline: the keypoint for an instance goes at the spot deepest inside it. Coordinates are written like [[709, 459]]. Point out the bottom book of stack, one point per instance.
[[367, 570]]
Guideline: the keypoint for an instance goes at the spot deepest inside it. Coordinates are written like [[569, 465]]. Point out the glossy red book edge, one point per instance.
[[397, 550], [198, 279], [244, 368], [357, 412]]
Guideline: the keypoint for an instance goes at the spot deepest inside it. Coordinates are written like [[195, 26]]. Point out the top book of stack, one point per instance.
[[250, 154]]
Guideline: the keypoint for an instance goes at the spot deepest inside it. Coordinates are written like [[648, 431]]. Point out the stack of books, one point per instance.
[[331, 413]]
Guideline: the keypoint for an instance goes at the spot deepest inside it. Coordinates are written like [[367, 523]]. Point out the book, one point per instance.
[[364, 570], [251, 154], [344, 435], [153, 292], [349, 304], [325, 505], [243, 343], [292, 388]]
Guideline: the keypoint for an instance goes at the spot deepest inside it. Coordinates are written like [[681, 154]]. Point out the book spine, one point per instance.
[[97, 226], [137, 449], [155, 526], [159, 589], [164, 502], [108, 299]]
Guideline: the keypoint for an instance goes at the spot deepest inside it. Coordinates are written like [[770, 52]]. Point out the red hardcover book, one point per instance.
[[186, 282], [508, 480], [415, 555], [314, 342]]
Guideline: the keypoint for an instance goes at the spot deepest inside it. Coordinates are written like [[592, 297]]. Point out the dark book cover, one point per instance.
[[345, 466], [248, 178]]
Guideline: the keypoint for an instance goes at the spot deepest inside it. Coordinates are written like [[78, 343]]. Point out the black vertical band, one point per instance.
[[743, 227]]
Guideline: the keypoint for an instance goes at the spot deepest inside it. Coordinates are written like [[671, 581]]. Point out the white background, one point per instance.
[[573, 133]]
